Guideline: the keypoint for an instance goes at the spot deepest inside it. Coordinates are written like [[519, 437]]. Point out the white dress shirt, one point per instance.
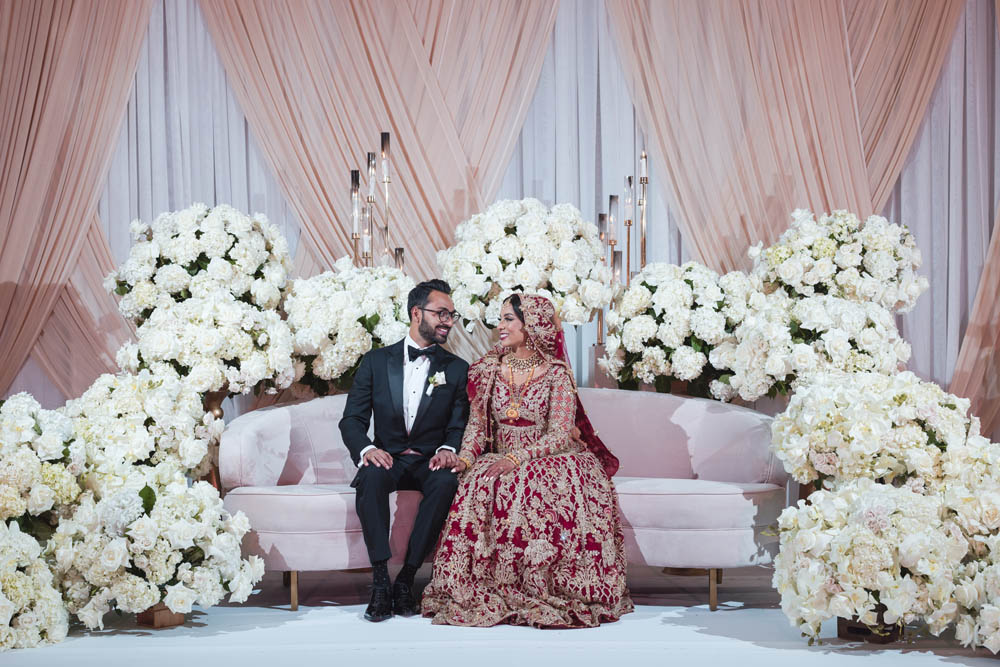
[[414, 385]]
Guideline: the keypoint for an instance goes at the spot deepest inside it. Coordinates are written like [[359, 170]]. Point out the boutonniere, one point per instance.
[[435, 380]]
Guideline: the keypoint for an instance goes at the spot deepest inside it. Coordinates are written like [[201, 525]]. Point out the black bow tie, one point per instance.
[[426, 352]]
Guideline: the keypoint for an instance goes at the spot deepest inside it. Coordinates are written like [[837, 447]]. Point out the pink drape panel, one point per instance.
[[85, 329], [66, 71], [318, 80], [757, 108], [977, 371]]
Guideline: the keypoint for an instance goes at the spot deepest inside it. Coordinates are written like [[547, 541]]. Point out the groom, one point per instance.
[[417, 391]]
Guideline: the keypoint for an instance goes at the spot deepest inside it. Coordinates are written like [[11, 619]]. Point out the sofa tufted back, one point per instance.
[[653, 435]]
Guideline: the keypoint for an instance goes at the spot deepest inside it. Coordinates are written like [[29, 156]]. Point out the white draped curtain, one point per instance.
[[186, 140], [948, 191]]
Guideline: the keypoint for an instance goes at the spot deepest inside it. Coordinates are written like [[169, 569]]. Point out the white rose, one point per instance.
[[114, 555], [179, 598]]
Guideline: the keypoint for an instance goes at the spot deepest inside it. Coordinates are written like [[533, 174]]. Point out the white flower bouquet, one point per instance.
[[525, 246], [893, 428], [203, 286], [783, 339], [836, 255], [336, 317], [866, 548], [152, 420], [669, 321], [32, 612], [136, 547], [39, 464]]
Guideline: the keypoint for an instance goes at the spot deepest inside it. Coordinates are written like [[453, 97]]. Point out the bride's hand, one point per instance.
[[500, 467], [459, 467]]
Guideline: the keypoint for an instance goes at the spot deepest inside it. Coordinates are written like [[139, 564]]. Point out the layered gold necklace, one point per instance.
[[516, 393]]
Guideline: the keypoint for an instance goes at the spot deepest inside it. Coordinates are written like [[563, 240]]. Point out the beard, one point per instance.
[[427, 332]]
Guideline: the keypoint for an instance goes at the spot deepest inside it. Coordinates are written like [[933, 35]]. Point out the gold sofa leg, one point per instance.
[[714, 579], [293, 581]]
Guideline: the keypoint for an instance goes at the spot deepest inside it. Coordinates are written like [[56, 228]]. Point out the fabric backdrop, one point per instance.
[[758, 108], [66, 70]]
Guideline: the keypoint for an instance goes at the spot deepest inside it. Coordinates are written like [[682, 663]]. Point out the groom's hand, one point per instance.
[[444, 459], [377, 457]]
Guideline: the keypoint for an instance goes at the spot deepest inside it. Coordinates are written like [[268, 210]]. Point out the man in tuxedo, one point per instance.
[[417, 392]]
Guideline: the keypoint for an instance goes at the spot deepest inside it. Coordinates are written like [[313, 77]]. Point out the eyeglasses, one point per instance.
[[443, 315]]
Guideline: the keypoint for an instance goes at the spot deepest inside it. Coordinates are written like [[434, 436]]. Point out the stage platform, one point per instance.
[[672, 626]]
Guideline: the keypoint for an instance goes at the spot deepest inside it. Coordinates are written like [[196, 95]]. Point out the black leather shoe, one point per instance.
[[403, 602], [380, 608]]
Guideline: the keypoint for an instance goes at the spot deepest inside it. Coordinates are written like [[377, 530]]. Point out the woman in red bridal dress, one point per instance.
[[534, 535]]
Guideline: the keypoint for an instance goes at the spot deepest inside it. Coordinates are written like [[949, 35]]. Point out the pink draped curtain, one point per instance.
[[66, 71], [451, 80], [757, 108], [977, 370], [85, 329]]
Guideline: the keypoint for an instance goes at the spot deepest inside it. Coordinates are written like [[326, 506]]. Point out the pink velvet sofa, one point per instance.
[[698, 484]]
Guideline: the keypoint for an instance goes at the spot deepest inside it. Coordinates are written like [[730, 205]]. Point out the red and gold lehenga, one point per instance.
[[541, 545]]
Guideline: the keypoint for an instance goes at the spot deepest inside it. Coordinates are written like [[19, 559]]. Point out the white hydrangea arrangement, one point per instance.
[[526, 246], [39, 464], [153, 419], [135, 547], [866, 548], [32, 612], [203, 287], [336, 317], [668, 324], [837, 255]]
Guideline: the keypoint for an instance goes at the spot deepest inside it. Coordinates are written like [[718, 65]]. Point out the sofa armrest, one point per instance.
[[254, 448], [732, 444]]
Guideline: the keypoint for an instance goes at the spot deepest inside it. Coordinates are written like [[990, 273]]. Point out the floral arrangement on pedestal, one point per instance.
[[805, 308], [97, 510], [336, 317], [837, 255], [907, 519], [524, 245], [863, 548], [203, 286]]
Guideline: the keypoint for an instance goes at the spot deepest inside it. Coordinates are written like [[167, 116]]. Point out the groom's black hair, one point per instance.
[[421, 293]]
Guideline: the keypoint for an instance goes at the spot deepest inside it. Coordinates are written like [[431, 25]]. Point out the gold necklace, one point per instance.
[[515, 398], [521, 365]]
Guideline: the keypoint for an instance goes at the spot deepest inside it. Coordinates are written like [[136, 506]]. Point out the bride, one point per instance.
[[533, 536]]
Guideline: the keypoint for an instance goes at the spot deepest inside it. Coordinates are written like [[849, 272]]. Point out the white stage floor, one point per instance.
[[671, 626]]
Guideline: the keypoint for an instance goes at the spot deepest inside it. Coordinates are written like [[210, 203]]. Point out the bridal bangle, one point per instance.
[[467, 462], [513, 459]]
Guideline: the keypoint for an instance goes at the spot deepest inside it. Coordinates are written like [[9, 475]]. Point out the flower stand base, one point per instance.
[[853, 630], [159, 616]]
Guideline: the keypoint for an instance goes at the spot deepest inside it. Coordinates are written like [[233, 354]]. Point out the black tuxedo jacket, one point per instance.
[[378, 390]]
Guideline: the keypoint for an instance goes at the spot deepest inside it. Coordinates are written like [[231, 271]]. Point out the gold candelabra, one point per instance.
[[363, 212]]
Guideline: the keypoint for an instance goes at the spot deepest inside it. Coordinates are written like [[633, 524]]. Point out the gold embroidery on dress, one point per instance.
[[543, 544]]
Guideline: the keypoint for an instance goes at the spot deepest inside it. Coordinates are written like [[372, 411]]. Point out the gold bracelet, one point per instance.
[[513, 459], [467, 462]]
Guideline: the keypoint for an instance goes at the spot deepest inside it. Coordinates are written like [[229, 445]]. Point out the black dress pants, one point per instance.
[[373, 485]]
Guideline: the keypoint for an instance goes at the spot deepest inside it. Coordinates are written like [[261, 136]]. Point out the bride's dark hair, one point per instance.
[[515, 302]]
